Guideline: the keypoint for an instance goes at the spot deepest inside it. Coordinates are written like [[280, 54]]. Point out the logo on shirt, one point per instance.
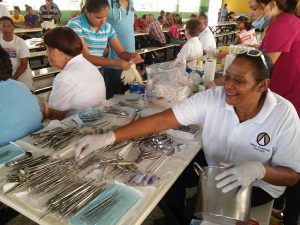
[[263, 139], [11, 52]]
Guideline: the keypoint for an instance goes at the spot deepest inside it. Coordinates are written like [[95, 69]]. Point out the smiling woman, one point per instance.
[[234, 119]]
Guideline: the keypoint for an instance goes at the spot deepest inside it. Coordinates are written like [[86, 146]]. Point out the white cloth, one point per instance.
[[3, 10], [207, 39], [78, 86], [271, 137], [190, 51], [17, 49]]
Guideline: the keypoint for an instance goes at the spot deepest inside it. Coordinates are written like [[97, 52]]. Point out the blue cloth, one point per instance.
[[122, 21], [10, 152], [20, 113], [125, 199], [96, 41]]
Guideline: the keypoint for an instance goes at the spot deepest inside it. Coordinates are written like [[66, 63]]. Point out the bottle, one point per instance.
[[148, 95]]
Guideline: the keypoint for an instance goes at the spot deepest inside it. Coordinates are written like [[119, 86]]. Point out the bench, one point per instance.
[[38, 54], [225, 36], [154, 49], [43, 79]]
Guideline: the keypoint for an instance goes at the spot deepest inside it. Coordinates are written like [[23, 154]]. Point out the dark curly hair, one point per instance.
[[5, 65]]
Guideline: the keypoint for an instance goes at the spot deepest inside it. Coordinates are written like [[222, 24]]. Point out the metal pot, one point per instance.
[[217, 207]]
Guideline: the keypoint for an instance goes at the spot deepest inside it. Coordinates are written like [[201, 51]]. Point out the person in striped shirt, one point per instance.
[[95, 34]]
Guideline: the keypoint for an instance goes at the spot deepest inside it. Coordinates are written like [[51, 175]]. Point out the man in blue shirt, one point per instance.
[[95, 34], [20, 113], [223, 13]]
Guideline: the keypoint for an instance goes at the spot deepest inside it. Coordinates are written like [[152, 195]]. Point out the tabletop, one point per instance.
[[168, 172]]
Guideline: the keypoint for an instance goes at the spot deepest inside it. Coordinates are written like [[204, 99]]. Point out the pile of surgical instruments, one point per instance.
[[56, 138]]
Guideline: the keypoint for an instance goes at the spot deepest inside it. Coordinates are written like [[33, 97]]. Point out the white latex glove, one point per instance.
[[90, 143], [131, 75], [243, 175]]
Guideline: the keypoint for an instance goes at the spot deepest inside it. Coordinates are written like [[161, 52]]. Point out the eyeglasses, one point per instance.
[[254, 53]]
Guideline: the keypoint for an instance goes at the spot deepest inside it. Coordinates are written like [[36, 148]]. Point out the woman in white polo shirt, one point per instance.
[[244, 124], [79, 85]]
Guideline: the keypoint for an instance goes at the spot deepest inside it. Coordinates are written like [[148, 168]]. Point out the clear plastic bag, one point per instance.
[[169, 81]]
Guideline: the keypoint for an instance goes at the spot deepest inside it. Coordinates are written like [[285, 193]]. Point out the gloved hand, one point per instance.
[[131, 75], [243, 175], [90, 143]]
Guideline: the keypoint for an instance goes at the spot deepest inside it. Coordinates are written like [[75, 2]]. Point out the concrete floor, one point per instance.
[[22, 220]]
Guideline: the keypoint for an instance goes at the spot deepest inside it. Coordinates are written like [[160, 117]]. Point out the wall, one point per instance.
[[204, 4], [237, 6]]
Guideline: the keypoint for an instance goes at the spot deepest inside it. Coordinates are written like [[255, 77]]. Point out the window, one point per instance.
[[36, 4], [189, 5], [148, 6]]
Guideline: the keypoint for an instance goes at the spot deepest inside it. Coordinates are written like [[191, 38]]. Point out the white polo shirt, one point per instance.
[[78, 86], [17, 49], [207, 39], [191, 50], [271, 137]]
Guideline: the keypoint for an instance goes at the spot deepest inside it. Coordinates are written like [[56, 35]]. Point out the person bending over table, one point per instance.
[[18, 52], [20, 113], [79, 85], [95, 33], [244, 123]]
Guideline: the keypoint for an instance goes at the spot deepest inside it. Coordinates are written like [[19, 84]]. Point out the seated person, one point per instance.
[[17, 17], [79, 85], [206, 36], [244, 124], [161, 21], [174, 32], [140, 24], [230, 16], [168, 19], [31, 19], [193, 16], [20, 113], [156, 34], [18, 52], [192, 49], [243, 26], [49, 12]]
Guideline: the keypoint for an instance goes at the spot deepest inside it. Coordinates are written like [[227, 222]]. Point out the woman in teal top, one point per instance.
[[20, 113]]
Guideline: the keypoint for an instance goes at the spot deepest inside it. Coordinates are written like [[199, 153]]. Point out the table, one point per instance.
[[33, 43], [222, 27], [27, 30], [168, 172]]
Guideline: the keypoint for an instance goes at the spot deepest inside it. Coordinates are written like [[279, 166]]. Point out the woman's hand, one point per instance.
[[123, 64], [136, 59], [91, 143], [243, 175]]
